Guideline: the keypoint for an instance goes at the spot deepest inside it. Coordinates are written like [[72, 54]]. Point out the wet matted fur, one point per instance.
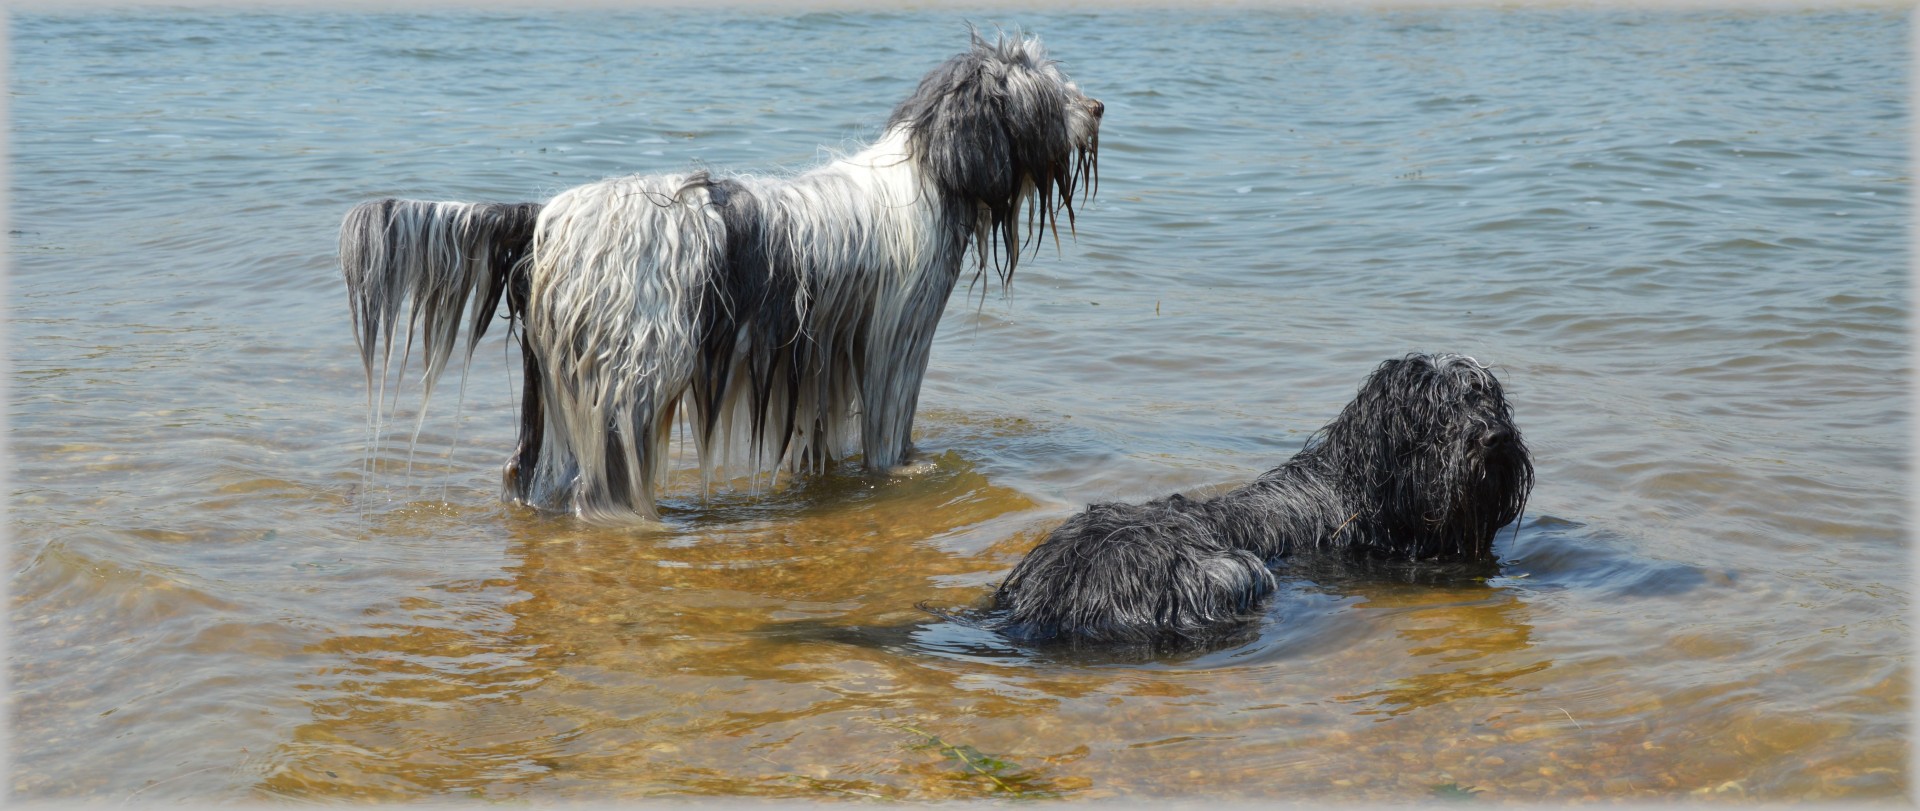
[[1424, 464], [783, 317]]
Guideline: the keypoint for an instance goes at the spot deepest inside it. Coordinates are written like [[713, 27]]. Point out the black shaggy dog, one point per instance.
[[1425, 464]]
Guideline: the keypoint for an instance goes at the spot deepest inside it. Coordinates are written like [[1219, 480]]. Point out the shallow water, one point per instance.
[[1680, 237]]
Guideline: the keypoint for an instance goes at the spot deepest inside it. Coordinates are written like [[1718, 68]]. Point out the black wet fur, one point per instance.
[[1424, 465]]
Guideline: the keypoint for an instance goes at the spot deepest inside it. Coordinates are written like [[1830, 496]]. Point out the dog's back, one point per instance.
[[1142, 573]]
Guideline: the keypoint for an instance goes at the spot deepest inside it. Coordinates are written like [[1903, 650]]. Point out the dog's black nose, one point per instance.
[[1495, 437], [1098, 108]]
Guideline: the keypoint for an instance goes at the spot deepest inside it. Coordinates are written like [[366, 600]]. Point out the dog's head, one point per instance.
[[998, 126], [1431, 447]]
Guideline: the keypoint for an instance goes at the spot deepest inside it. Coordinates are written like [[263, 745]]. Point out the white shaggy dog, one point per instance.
[[780, 316]]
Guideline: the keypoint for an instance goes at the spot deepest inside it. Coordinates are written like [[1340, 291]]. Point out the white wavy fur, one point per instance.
[[613, 268]]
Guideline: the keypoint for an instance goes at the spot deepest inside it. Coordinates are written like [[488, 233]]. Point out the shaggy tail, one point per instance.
[[441, 256]]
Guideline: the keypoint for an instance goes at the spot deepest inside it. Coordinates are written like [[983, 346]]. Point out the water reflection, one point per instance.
[[788, 660], [644, 661], [1468, 649], [740, 654]]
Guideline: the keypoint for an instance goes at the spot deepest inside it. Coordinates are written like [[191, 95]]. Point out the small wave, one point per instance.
[[1565, 554]]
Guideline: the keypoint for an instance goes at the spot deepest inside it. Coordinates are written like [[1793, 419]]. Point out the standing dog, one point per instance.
[[781, 316], [1425, 464]]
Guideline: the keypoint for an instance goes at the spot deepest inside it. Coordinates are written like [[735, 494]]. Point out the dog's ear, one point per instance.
[[989, 126], [991, 119], [959, 129]]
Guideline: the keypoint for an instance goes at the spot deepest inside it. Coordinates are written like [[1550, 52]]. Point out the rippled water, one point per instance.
[[1681, 238]]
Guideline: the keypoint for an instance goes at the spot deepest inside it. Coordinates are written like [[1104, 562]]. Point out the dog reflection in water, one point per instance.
[[1424, 465]]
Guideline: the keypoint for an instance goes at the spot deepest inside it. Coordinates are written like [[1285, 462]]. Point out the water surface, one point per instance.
[[1682, 239]]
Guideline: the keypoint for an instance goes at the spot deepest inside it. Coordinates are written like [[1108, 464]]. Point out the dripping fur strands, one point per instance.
[[1425, 464], [786, 320]]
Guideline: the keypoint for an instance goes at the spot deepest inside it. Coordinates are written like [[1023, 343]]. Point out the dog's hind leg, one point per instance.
[[516, 482], [516, 479], [626, 492], [613, 314]]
